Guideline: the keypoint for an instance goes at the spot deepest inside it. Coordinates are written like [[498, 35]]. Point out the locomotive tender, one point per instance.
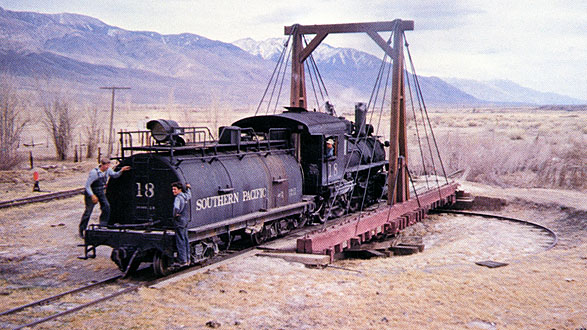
[[264, 176]]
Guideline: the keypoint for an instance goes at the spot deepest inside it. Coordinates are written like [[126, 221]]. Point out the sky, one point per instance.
[[540, 44]]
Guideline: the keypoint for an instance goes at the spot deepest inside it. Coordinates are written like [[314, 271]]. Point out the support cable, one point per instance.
[[413, 186], [419, 98], [282, 80], [374, 97], [313, 87], [394, 188], [373, 149], [277, 65], [312, 68], [376, 92], [378, 126], [318, 75], [275, 86], [417, 128], [424, 105]]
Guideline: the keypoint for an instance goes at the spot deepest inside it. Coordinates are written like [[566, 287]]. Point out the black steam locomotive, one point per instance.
[[263, 176]]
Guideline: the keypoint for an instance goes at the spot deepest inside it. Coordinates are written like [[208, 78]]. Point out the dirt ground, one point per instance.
[[437, 289], [440, 288]]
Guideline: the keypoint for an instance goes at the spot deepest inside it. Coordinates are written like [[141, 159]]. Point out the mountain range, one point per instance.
[[81, 53]]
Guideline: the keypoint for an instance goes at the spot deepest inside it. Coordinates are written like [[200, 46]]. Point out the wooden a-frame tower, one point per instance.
[[398, 153]]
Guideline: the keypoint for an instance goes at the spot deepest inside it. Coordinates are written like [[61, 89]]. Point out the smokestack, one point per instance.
[[360, 118]]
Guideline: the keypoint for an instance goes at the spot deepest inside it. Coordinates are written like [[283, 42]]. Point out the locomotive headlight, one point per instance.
[[163, 130], [158, 132]]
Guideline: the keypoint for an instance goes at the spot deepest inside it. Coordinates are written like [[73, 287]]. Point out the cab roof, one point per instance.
[[315, 123]]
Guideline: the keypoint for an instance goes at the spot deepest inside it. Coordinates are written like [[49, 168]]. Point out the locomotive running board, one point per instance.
[[248, 220], [387, 220]]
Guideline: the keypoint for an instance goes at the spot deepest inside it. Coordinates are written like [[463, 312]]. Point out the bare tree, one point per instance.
[[12, 123], [92, 130], [59, 122]]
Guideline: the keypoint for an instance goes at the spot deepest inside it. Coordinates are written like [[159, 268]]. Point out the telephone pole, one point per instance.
[[112, 116]]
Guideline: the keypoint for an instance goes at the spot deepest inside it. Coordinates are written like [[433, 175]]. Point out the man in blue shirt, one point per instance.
[[181, 217], [95, 192], [329, 152]]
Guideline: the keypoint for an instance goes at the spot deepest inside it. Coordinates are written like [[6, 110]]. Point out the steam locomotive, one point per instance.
[[262, 177]]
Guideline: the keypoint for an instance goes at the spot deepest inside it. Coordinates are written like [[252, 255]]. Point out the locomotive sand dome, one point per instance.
[[241, 184]]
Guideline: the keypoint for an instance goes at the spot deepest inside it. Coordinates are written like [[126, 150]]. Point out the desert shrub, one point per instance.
[[12, 122], [566, 168], [516, 134], [59, 121], [92, 129], [554, 162]]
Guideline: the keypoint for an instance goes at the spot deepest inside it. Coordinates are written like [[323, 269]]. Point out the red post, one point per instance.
[[36, 179]]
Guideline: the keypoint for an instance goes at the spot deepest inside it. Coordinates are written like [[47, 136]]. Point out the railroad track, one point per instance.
[[41, 198], [542, 228], [33, 314]]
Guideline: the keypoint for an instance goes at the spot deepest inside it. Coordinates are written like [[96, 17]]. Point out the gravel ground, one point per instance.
[[439, 288]]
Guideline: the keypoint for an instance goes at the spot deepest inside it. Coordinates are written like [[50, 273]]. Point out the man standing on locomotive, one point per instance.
[[95, 191], [181, 217]]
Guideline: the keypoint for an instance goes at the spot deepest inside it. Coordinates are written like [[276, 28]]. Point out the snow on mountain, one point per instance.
[[271, 49], [349, 66], [88, 53]]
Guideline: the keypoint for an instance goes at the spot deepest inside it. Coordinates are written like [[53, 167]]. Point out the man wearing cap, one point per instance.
[[329, 152], [95, 192], [181, 217]]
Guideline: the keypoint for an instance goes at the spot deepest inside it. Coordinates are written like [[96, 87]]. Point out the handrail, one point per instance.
[[197, 138]]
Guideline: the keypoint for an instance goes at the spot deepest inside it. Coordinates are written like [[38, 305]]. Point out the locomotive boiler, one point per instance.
[[262, 177]]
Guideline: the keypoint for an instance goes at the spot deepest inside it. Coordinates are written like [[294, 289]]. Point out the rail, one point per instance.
[[109, 296], [41, 198], [57, 296], [504, 218]]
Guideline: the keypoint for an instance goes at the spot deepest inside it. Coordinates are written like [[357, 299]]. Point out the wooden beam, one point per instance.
[[379, 41], [300, 54], [298, 78], [312, 45], [352, 27], [398, 138]]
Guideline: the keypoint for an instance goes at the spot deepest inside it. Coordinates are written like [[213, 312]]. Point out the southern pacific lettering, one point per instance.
[[228, 199]]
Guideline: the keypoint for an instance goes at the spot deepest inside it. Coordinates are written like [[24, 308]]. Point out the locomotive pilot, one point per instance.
[[95, 192], [181, 217]]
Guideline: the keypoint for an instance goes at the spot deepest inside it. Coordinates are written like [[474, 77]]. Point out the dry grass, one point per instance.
[[506, 147], [263, 293], [521, 149], [541, 291]]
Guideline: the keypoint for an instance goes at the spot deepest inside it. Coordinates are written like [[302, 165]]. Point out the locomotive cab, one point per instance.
[[354, 164], [308, 136]]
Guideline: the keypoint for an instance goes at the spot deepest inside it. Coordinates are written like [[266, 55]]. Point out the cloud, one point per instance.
[[525, 41]]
